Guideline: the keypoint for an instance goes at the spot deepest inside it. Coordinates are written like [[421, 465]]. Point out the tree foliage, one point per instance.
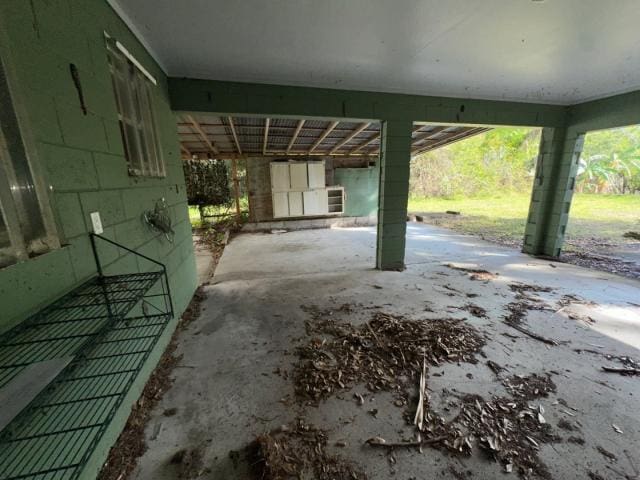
[[207, 182], [610, 161], [502, 159]]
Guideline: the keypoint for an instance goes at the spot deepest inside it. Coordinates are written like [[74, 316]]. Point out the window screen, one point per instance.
[[133, 93]]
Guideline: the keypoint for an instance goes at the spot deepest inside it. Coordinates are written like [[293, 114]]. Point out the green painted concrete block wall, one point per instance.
[[82, 160], [361, 187]]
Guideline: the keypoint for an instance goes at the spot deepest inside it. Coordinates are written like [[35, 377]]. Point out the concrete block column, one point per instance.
[[553, 188], [395, 155]]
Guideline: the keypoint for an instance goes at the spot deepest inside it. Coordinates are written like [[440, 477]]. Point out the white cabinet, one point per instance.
[[316, 175], [280, 179], [298, 190], [298, 173], [280, 204], [295, 204]]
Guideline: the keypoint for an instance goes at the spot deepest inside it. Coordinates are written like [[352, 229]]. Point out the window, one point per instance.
[[26, 225], [133, 86]]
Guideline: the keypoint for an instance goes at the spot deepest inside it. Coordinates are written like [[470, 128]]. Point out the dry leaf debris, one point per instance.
[[385, 353], [299, 451]]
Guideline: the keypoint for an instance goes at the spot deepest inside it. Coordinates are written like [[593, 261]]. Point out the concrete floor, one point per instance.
[[226, 391]]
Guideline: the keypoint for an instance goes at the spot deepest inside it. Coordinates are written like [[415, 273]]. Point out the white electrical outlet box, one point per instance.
[[96, 222]]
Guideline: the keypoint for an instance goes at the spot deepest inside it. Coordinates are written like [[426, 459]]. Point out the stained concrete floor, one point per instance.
[[226, 391]]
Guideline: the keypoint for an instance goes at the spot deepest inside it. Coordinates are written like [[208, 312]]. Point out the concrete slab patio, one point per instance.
[[226, 391]]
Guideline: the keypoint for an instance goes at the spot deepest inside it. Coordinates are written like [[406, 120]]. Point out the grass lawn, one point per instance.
[[593, 217]]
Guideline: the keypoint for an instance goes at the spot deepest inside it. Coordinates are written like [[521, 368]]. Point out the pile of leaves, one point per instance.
[[299, 451], [509, 431], [385, 353], [529, 387]]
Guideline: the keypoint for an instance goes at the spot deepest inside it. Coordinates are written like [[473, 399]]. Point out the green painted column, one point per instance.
[[395, 154], [553, 187]]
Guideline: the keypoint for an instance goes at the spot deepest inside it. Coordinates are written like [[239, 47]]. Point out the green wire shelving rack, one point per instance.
[[109, 326]]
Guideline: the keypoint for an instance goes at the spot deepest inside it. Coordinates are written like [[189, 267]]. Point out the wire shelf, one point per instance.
[[54, 436]]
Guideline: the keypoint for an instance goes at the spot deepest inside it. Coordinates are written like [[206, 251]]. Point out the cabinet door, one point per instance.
[[316, 175], [310, 198], [298, 173], [323, 201], [280, 177], [295, 204], [280, 204]]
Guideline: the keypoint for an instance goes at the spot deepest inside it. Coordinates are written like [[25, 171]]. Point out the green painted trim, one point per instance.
[[233, 98], [610, 112]]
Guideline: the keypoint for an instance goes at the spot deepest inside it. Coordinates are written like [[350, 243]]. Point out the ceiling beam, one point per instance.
[[295, 135], [265, 139], [350, 137], [203, 135], [280, 153], [235, 135], [324, 135]]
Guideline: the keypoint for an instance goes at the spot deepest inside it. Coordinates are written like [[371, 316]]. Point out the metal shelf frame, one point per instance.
[[109, 326]]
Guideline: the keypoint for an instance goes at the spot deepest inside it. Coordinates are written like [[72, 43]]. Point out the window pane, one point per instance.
[[19, 174], [136, 115], [4, 233]]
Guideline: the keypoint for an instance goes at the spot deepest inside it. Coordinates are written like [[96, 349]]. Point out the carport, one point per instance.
[[450, 356]]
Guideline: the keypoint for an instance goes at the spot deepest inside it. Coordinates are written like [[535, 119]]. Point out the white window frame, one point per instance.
[[15, 216], [133, 88]]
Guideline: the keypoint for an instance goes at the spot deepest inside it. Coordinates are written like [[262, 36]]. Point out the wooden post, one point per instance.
[[236, 187]]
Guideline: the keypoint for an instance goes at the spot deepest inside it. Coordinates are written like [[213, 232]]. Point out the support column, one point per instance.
[[395, 154], [553, 187]]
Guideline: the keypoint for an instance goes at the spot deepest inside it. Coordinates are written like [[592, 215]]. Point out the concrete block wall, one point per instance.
[[83, 163], [395, 145], [553, 188], [259, 181]]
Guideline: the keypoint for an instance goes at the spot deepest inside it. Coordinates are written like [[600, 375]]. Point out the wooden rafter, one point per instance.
[[426, 135], [186, 151], [295, 135], [265, 139], [349, 137], [203, 135], [468, 132], [324, 135], [235, 135], [369, 141]]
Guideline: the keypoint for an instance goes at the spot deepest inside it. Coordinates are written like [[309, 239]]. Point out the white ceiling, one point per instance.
[[550, 51]]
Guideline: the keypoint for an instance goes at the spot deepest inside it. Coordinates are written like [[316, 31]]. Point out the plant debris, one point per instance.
[[566, 425], [385, 353], [189, 463], [299, 451], [131, 444], [530, 387], [632, 235], [521, 305], [475, 310], [622, 371], [606, 453], [474, 273], [509, 431]]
